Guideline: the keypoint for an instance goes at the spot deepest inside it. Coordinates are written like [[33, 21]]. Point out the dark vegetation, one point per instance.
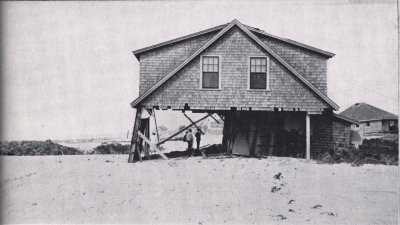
[[36, 148], [373, 151], [113, 148]]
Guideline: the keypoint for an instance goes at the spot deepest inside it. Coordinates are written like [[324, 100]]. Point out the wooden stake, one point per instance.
[[151, 144]]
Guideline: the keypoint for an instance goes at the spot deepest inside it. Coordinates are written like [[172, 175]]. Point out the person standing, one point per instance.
[[189, 139], [197, 134]]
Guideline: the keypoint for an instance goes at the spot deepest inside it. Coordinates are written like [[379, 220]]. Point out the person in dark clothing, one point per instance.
[[189, 139], [197, 134]]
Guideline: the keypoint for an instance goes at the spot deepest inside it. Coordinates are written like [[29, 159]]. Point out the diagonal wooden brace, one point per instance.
[[214, 118], [151, 144], [180, 131], [193, 123]]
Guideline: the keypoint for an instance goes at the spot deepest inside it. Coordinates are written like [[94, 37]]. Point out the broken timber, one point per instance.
[[151, 144], [180, 131]]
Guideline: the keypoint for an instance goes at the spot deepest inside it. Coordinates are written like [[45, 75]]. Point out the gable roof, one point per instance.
[[138, 52], [365, 112], [254, 38]]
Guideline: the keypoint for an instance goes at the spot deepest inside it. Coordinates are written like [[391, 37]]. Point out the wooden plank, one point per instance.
[[151, 144], [193, 123], [178, 132], [214, 118], [221, 117], [155, 122], [308, 155], [134, 147]]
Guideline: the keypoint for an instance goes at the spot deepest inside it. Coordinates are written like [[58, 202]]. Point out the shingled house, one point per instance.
[[372, 120], [270, 91]]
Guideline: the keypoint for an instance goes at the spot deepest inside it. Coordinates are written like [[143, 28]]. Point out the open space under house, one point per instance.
[[271, 92]]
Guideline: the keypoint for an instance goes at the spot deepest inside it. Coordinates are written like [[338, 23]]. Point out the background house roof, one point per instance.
[[365, 112], [138, 52]]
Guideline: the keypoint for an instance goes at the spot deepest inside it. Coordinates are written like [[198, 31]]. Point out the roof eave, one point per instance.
[[255, 38], [289, 41]]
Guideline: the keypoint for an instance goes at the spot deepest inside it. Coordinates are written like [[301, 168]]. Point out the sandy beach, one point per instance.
[[106, 189]]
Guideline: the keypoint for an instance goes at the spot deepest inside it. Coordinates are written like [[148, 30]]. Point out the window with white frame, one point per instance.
[[210, 72], [258, 73]]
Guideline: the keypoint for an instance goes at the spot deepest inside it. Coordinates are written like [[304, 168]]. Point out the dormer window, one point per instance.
[[258, 78], [210, 72]]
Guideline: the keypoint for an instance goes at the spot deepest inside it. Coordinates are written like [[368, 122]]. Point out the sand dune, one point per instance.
[[106, 189]]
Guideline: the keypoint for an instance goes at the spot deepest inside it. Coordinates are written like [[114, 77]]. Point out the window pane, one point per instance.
[[216, 60], [210, 80], [215, 68], [263, 68], [264, 61], [252, 69], [205, 60], [258, 81]]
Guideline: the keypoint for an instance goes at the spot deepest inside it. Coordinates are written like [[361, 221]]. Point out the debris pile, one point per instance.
[[36, 148], [113, 148]]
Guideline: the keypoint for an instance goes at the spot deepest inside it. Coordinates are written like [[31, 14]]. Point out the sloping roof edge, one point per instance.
[[139, 51], [252, 36], [220, 27], [289, 41], [345, 118]]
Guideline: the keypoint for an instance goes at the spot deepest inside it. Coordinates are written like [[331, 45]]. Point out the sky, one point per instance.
[[68, 70]]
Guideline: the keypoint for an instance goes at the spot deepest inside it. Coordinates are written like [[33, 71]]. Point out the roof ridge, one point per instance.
[[252, 36], [220, 27]]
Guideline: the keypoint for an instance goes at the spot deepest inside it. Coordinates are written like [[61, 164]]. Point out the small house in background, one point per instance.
[[271, 92], [372, 120]]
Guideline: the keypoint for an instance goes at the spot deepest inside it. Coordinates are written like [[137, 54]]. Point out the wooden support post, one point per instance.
[[214, 118], [151, 144], [308, 155], [155, 122], [134, 154], [193, 123], [185, 128]]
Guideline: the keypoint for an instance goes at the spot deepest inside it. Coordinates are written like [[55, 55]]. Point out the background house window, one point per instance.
[[367, 124], [258, 73], [210, 72]]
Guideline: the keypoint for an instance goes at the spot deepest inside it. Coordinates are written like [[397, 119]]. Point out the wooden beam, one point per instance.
[[185, 128], [308, 153], [220, 117], [134, 148], [151, 144], [155, 122], [214, 118], [193, 123]]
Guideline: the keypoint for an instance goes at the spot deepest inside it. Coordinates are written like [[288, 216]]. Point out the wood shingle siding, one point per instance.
[[235, 47], [301, 94], [156, 64], [310, 65]]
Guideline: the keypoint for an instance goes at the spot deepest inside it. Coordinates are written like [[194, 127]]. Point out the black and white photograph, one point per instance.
[[199, 112]]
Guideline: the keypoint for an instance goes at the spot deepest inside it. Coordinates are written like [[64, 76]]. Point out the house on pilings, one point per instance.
[[270, 91]]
